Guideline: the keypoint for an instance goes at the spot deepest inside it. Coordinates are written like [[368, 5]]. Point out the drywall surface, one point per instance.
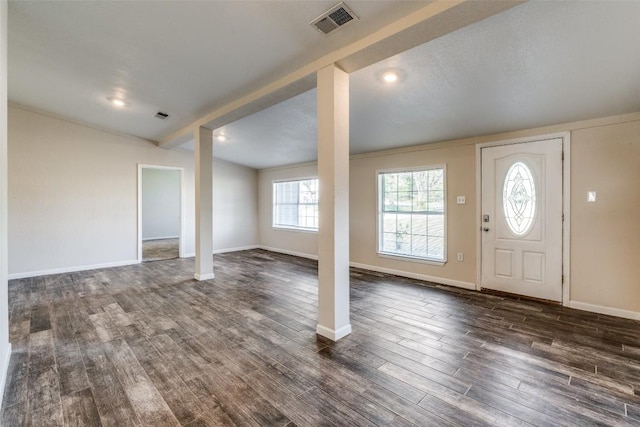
[[235, 206], [605, 234], [73, 195], [160, 203], [459, 163]]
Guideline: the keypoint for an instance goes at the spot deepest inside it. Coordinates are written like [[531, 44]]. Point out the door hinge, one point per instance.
[[563, 217], [563, 155], [563, 278]]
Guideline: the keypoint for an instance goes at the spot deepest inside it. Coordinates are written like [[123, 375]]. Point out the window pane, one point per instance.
[[435, 225], [419, 225], [391, 202], [390, 182], [435, 247], [389, 222], [296, 204], [405, 201], [418, 245], [417, 229]]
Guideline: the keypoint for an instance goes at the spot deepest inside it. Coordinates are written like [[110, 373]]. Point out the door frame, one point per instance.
[[181, 246], [566, 204]]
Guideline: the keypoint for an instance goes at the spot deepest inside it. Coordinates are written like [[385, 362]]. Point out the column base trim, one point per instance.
[[333, 335], [201, 277]]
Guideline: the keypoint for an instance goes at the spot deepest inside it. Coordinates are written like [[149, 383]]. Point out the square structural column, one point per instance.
[[333, 230], [204, 203]]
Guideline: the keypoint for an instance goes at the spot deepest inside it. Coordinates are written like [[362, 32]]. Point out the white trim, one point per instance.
[[72, 269], [148, 239], [201, 277], [333, 335], [238, 249], [181, 237], [407, 258], [566, 203], [294, 229], [287, 252], [418, 276], [189, 255], [5, 370], [611, 311]]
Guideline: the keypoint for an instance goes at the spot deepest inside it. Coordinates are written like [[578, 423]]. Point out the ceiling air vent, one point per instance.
[[334, 18], [161, 115]]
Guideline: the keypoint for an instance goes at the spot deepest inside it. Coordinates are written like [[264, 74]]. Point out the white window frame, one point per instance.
[[273, 206], [379, 214]]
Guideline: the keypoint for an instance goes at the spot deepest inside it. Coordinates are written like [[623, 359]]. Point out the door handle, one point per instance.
[[485, 229]]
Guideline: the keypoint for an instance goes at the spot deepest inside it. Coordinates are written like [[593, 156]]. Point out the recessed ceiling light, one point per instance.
[[221, 137], [390, 76], [118, 102]]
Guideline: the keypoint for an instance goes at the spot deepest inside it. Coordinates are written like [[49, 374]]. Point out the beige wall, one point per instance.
[[73, 195], [605, 247], [461, 236], [605, 235]]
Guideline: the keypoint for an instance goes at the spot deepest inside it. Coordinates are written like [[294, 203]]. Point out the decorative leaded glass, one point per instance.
[[519, 198]]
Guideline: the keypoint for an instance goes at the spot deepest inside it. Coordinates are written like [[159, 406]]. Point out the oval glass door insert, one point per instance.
[[519, 198]]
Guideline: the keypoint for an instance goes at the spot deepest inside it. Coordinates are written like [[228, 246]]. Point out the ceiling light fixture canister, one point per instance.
[[118, 102]]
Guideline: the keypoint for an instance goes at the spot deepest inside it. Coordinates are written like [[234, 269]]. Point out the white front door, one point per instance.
[[522, 219]]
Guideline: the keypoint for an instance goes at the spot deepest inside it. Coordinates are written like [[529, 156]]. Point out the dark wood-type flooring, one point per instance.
[[160, 249], [146, 345]]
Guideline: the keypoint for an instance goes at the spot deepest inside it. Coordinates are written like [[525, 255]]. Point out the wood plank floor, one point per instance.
[[160, 249], [146, 345]]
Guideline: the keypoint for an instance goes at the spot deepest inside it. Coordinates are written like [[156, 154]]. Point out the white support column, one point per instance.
[[204, 203], [333, 174]]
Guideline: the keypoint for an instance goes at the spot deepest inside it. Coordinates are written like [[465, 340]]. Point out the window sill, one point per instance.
[[412, 259], [296, 229]]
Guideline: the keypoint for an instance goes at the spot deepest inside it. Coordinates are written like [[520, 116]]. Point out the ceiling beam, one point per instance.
[[432, 21]]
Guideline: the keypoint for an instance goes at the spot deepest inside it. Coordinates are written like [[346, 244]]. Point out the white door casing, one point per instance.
[[522, 223]]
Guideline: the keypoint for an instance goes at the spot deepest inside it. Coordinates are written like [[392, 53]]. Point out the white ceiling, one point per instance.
[[536, 64], [184, 58]]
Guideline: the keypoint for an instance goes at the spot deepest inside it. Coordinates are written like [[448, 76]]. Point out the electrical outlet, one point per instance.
[[461, 200], [460, 256]]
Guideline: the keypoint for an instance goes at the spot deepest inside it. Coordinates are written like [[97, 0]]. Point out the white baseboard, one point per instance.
[[287, 252], [201, 277], [601, 309], [72, 269], [160, 238], [424, 277], [5, 370], [240, 248], [333, 335]]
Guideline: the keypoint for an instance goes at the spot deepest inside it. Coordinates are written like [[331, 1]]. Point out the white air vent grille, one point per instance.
[[334, 18]]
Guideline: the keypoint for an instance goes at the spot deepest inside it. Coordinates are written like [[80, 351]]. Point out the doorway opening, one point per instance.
[[523, 217], [160, 213]]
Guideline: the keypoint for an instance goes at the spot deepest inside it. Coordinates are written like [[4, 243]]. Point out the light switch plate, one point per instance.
[[591, 196], [461, 200]]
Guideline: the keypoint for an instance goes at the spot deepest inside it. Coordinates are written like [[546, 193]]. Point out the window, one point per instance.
[[412, 214], [295, 204]]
